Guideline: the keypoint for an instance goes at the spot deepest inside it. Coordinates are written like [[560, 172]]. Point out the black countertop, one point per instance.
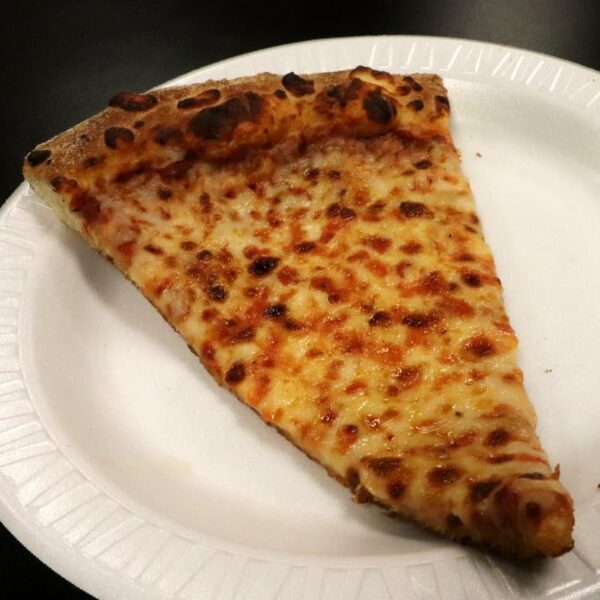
[[62, 60]]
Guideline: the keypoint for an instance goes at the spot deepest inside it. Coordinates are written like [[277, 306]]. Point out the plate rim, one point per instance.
[[372, 38], [100, 578]]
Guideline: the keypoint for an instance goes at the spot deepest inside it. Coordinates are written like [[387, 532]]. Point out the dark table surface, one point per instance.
[[62, 60]]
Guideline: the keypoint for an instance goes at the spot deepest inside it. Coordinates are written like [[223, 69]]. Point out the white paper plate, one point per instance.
[[126, 469]]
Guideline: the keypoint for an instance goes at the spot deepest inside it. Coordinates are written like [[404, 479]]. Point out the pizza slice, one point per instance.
[[315, 242]]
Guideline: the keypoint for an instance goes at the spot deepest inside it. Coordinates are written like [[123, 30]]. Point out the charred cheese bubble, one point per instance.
[[315, 242]]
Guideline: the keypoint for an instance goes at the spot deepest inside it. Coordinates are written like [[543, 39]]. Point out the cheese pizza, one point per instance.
[[315, 242]]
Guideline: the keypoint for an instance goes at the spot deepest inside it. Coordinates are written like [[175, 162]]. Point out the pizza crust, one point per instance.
[[70, 150]]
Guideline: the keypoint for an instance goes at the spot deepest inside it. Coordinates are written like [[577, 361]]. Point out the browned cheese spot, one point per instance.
[[499, 459], [162, 286], [251, 292], [128, 174], [275, 311], [379, 109], [417, 320], [243, 335], [441, 476], [116, 136], [512, 377], [482, 489], [217, 293], [415, 210], [347, 436], [380, 319], [324, 284], [407, 377], [479, 346], [462, 440], [263, 265], [304, 247], [288, 275], [471, 279], [312, 173], [209, 314], [292, 325], [416, 105], [396, 489], [152, 249], [205, 203], [356, 386], [37, 157], [127, 248], [87, 205], [251, 251], [384, 466], [236, 373], [208, 351], [280, 94], [347, 214], [374, 210], [432, 284], [378, 243], [497, 437], [328, 417], [204, 255], [178, 169], [336, 210], [411, 248], [423, 164]]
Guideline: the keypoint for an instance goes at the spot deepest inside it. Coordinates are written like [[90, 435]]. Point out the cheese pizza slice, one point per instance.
[[314, 241]]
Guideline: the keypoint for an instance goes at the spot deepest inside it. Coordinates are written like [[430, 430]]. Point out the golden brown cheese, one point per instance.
[[316, 243]]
